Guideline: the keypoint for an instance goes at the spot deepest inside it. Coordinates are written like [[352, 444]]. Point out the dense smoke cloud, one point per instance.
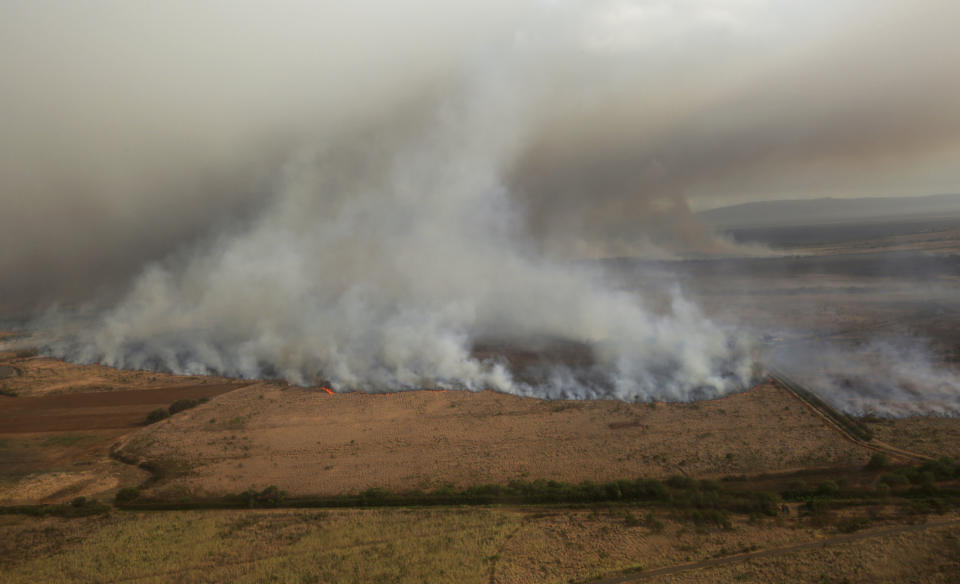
[[887, 375], [383, 257], [356, 194]]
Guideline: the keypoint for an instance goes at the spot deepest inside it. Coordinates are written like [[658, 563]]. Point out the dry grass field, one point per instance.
[[930, 435], [920, 557], [499, 545], [309, 442]]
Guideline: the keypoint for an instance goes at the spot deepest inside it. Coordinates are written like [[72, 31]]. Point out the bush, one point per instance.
[[827, 488], [269, 497], [157, 415], [127, 494], [767, 503], [181, 405], [652, 488], [652, 523], [79, 502], [894, 480], [681, 482], [943, 468], [853, 524], [878, 461]]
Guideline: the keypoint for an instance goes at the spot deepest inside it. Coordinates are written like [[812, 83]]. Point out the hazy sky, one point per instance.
[[131, 130]]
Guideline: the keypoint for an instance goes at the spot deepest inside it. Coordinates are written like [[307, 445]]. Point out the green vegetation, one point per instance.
[[701, 502], [79, 507], [879, 461], [185, 404], [930, 487], [127, 494], [175, 408], [157, 415]]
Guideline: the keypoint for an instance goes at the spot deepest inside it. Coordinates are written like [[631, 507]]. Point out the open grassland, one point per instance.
[[930, 556], [499, 545], [310, 443], [930, 435], [280, 546]]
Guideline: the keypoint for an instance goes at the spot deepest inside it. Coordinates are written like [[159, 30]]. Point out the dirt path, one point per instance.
[[790, 549], [874, 445]]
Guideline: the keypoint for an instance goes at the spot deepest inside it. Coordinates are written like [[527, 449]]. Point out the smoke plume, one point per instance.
[[887, 375], [360, 194]]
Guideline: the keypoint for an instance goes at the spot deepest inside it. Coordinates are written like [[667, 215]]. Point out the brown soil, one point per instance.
[[71, 412], [56, 433], [309, 442], [54, 468]]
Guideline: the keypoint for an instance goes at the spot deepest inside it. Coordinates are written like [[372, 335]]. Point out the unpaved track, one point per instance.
[[95, 410], [874, 445], [781, 551]]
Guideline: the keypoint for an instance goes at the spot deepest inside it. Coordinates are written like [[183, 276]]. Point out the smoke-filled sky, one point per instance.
[[130, 129], [356, 192]]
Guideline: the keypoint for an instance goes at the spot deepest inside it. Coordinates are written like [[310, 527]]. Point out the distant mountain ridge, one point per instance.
[[830, 210]]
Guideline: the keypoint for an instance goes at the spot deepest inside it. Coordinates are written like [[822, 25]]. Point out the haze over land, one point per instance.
[[810, 212], [358, 195]]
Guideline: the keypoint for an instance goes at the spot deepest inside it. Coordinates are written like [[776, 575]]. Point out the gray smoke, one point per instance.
[[359, 194], [383, 257], [887, 376]]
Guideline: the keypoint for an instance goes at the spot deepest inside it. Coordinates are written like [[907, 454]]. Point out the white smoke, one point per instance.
[[363, 191], [887, 376], [384, 256]]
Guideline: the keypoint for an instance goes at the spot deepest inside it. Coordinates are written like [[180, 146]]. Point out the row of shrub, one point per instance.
[[677, 492], [932, 478], [174, 408], [78, 507], [853, 427]]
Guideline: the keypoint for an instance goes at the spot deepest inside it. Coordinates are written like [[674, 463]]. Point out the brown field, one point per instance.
[[928, 435], [308, 442], [57, 428], [72, 412]]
